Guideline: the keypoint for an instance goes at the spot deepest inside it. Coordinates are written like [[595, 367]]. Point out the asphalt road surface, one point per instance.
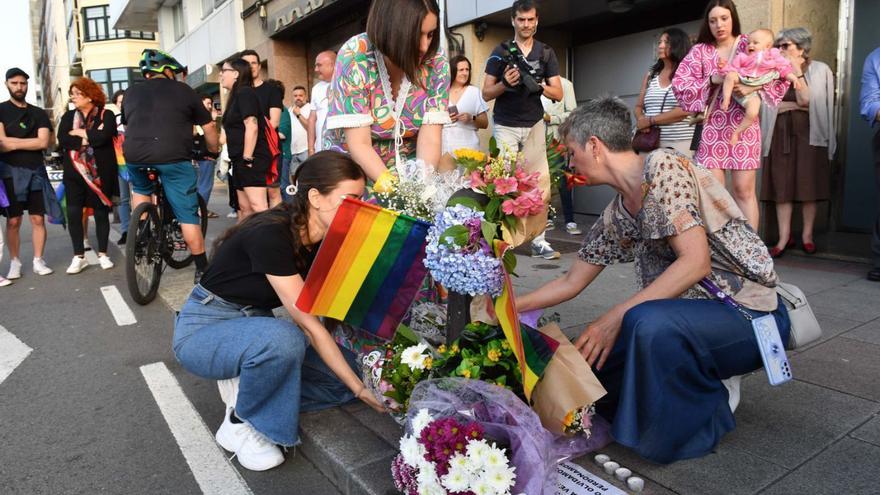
[[99, 404]]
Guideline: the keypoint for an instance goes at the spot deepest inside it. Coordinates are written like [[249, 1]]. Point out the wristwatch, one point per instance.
[[248, 160]]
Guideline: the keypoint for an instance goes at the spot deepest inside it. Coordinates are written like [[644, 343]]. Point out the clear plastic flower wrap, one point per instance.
[[506, 419]]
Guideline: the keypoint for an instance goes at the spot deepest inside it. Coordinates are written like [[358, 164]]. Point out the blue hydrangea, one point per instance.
[[459, 269]]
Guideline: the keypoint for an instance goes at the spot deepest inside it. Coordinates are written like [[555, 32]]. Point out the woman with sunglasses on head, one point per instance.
[[799, 142], [85, 134], [245, 128], [226, 328]]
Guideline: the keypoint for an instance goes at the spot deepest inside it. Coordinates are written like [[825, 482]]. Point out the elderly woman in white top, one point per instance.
[[799, 141], [467, 110]]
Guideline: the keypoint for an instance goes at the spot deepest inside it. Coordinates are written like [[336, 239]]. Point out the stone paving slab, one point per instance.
[[766, 427], [848, 467], [869, 432], [853, 304], [869, 332], [842, 364]]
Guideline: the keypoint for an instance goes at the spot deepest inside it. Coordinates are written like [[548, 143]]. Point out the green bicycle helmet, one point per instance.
[[153, 60]]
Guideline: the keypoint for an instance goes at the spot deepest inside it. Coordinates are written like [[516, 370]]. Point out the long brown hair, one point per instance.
[[705, 35], [322, 171], [395, 27]]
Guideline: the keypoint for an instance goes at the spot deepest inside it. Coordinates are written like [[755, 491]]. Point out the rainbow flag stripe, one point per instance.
[[533, 349], [368, 270]]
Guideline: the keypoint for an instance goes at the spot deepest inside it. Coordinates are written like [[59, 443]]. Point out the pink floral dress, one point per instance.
[[360, 96], [693, 88]]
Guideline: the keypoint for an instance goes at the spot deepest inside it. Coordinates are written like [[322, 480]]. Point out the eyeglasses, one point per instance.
[[785, 45]]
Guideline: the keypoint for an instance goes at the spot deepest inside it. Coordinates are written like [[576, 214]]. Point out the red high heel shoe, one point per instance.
[[809, 248], [776, 252]]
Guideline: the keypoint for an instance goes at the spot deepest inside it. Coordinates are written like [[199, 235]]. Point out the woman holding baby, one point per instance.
[[697, 87], [800, 141]]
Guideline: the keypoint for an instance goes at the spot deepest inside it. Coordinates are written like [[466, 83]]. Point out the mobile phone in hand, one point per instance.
[[453, 110]]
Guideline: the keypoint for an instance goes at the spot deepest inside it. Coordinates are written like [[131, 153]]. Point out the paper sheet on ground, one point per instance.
[[575, 480]]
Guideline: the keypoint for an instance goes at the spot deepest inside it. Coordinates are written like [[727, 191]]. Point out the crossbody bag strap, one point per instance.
[[722, 296]]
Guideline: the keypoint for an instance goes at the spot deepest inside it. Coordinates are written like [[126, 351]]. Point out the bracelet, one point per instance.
[[652, 121]]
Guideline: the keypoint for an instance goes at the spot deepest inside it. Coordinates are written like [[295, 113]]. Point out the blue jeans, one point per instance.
[[667, 364], [288, 168], [280, 374], [205, 182], [124, 208]]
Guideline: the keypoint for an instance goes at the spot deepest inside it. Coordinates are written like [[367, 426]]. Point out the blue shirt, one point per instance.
[[870, 95]]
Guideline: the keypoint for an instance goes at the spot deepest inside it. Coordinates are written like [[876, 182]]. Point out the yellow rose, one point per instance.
[[385, 183]]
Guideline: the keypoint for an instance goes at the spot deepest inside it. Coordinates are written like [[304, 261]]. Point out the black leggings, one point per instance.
[[75, 226]]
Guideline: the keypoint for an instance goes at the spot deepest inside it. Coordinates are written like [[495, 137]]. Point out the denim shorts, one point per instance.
[[178, 181]]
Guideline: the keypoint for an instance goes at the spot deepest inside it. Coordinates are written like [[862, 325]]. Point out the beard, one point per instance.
[[18, 96]]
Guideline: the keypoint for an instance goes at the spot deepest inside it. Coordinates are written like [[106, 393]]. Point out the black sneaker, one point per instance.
[[198, 276], [874, 275], [122, 239]]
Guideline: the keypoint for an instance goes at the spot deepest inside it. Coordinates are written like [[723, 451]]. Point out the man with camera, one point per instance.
[[517, 73]]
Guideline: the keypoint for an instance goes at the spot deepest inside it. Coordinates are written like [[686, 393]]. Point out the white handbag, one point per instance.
[[805, 327]]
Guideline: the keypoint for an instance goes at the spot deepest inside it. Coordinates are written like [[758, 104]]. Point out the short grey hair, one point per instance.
[[802, 37], [607, 118]]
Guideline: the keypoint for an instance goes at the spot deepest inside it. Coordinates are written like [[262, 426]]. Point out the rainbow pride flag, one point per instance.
[[533, 349], [368, 270]]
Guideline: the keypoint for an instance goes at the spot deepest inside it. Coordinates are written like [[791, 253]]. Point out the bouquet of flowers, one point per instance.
[[481, 353], [420, 190], [448, 456], [512, 192], [392, 372], [556, 161], [459, 255]]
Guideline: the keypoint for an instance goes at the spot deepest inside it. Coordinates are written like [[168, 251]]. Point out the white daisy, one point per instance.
[[457, 480], [421, 421], [412, 451], [501, 479], [494, 458], [414, 357], [459, 461], [476, 452], [482, 487]]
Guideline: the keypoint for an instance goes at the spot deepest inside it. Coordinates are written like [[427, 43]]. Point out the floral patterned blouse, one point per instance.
[[360, 96], [678, 195]]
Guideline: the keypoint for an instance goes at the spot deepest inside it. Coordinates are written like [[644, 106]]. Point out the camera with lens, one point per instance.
[[528, 75]]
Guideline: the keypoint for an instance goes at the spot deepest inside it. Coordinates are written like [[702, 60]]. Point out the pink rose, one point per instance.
[[505, 185], [477, 180]]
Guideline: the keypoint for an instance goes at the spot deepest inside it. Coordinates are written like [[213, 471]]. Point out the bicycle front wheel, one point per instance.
[[177, 254], [143, 263]]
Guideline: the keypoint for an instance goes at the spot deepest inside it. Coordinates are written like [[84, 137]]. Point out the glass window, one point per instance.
[[207, 7], [179, 21], [218, 3], [96, 21], [112, 80]]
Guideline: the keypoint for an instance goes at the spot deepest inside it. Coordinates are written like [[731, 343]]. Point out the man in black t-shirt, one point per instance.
[[271, 104], [24, 135], [518, 114], [159, 115]]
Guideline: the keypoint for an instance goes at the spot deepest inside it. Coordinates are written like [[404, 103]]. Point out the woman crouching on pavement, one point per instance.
[[662, 354], [226, 328]]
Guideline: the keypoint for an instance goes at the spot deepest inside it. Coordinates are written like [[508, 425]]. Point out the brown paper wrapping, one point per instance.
[[568, 383], [525, 229]]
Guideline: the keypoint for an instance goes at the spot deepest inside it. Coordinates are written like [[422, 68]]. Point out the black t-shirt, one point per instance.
[[23, 123], [237, 273], [516, 107], [159, 115], [245, 103], [270, 97]]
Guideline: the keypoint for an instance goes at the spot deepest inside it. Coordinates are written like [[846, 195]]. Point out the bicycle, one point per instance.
[[155, 240]]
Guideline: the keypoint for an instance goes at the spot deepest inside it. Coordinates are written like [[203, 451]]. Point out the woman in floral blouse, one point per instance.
[[388, 97], [663, 353]]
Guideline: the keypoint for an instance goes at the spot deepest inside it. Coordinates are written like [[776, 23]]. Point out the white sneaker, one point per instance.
[[14, 269], [253, 449], [40, 267], [105, 262], [549, 225], [544, 250], [572, 229], [232, 214], [77, 265], [4, 281]]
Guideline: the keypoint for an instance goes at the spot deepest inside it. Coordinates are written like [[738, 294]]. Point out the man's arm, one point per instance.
[[553, 88], [212, 137], [310, 130], [275, 117], [39, 143], [494, 87]]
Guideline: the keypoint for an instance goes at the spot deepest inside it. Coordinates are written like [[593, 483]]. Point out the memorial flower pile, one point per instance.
[[444, 456], [419, 190]]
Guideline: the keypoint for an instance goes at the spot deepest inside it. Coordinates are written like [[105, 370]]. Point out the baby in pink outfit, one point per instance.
[[761, 65]]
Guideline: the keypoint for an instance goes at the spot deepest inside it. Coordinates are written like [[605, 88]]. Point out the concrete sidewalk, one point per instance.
[[818, 434]]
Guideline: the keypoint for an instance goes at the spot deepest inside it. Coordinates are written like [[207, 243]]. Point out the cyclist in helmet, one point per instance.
[[159, 115]]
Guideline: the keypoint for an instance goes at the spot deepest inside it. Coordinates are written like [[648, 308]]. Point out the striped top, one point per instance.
[[679, 131]]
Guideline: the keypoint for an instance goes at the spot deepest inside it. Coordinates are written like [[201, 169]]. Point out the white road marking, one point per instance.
[[91, 257], [121, 312], [12, 353], [208, 463]]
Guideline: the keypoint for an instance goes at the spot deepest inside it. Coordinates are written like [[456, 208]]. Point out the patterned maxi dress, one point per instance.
[[693, 88], [360, 96]]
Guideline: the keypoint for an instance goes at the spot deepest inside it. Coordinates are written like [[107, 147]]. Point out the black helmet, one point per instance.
[[153, 60]]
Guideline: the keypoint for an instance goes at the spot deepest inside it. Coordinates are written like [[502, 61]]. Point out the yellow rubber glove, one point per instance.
[[385, 183]]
